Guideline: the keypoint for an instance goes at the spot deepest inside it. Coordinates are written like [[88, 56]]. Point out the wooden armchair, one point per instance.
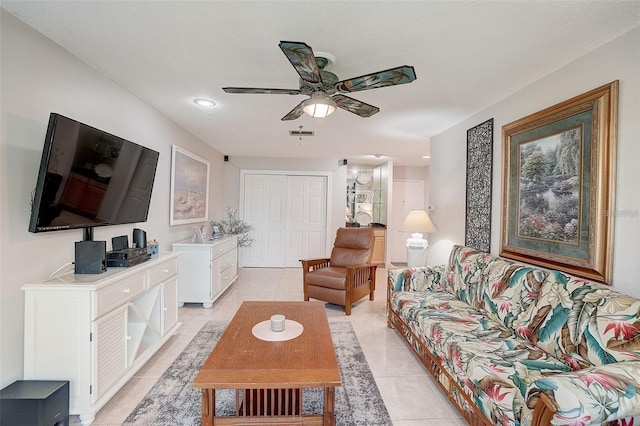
[[348, 275]]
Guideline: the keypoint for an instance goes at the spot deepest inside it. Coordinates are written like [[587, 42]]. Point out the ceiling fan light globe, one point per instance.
[[319, 106]]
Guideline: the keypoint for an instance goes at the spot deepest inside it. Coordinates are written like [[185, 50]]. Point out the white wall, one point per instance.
[[39, 77], [617, 60]]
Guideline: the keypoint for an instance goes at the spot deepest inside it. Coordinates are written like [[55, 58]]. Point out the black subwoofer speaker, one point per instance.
[[91, 257], [35, 403]]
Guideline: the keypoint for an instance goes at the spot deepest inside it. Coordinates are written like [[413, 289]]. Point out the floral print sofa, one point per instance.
[[513, 344]]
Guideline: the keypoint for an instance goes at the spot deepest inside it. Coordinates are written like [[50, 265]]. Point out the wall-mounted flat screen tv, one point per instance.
[[90, 178]]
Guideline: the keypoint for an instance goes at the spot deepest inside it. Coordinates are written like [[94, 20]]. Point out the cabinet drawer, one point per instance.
[[159, 273], [223, 247], [227, 275], [111, 297], [228, 259]]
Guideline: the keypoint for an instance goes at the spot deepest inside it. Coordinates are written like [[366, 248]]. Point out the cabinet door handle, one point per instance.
[[127, 291], [166, 271]]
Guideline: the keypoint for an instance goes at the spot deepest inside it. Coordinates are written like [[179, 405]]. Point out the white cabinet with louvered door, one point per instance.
[[169, 304], [97, 330], [110, 356]]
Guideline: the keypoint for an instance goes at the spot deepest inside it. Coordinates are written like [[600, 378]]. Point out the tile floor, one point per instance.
[[411, 396]]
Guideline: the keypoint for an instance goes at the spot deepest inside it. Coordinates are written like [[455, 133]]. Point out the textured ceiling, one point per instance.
[[467, 56]]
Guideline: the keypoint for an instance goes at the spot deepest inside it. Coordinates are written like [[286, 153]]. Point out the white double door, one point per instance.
[[289, 217]]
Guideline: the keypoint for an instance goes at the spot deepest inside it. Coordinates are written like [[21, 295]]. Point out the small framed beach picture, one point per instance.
[[189, 187]]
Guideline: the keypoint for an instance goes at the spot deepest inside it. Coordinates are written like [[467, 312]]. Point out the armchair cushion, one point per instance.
[[330, 277], [352, 246]]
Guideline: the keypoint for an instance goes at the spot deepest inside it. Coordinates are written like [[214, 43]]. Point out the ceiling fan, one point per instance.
[[323, 87]]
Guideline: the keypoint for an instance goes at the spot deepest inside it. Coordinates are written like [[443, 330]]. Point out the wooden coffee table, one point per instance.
[[268, 377]]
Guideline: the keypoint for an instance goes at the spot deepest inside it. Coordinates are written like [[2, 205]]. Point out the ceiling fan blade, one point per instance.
[[301, 57], [355, 106], [294, 114], [391, 77], [261, 91]]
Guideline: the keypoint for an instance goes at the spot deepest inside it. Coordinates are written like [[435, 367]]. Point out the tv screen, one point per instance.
[[90, 178]]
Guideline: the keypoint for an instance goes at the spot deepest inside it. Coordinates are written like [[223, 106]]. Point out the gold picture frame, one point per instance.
[[559, 185]]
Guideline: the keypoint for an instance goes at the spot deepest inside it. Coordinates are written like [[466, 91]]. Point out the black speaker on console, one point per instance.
[[91, 257], [139, 238], [119, 243]]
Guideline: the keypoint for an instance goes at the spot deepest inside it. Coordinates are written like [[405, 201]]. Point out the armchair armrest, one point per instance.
[[592, 395], [361, 274], [423, 278], [360, 281], [313, 264]]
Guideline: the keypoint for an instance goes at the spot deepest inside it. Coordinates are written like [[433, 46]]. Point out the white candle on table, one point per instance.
[[277, 322]]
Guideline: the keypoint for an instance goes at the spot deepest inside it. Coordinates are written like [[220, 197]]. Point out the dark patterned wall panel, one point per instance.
[[479, 177]]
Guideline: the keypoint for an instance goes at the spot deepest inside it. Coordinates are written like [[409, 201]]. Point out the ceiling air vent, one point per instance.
[[300, 132]]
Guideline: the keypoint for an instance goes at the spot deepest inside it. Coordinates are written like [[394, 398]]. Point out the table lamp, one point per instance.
[[417, 222]]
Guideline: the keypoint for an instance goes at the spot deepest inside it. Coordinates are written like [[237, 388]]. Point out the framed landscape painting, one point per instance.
[[189, 187], [559, 185]]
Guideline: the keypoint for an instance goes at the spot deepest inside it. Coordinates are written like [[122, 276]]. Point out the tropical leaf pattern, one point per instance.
[[602, 394], [508, 332]]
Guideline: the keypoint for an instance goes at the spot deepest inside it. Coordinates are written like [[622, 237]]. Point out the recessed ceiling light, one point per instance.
[[204, 103]]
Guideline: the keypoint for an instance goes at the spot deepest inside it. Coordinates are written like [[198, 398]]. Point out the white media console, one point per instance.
[[97, 330]]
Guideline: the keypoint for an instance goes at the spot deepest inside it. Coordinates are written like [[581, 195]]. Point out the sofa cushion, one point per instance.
[[421, 278], [411, 304], [586, 323], [503, 289]]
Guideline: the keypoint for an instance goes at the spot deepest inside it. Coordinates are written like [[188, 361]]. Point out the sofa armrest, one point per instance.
[[592, 395], [423, 278]]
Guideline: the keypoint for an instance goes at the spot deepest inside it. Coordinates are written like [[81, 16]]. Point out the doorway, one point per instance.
[[407, 195]]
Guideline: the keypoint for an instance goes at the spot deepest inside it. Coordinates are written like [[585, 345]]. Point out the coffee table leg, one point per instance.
[[329, 416], [208, 406]]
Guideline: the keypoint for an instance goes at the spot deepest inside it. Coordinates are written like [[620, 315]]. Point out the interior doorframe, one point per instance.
[[328, 207]]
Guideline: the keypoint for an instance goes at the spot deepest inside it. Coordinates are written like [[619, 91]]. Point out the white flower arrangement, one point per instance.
[[233, 225]]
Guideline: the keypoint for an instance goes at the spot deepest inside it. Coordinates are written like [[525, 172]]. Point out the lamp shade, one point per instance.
[[319, 106], [417, 221]]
